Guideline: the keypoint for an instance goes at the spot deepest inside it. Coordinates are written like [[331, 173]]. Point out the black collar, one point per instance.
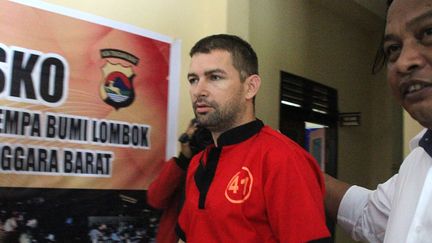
[[240, 133], [206, 171], [426, 142]]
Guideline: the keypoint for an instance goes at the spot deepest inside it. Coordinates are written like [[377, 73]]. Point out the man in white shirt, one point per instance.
[[397, 211]]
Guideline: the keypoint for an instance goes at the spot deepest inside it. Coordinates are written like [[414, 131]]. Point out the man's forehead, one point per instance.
[[402, 7], [407, 12], [214, 58], [212, 53]]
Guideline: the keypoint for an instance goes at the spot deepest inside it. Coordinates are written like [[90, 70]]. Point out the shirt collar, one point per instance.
[[426, 142], [240, 133], [414, 142]]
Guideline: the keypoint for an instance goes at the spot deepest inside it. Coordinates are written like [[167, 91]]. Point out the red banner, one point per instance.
[[88, 111], [82, 104]]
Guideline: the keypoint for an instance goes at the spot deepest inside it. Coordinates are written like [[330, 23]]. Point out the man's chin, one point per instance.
[[203, 122], [421, 113]]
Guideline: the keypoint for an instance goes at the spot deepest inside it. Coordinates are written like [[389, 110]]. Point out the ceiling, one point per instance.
[[368, 14]]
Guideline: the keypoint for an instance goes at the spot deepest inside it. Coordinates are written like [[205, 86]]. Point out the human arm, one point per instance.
[[364, 213], [170, 180], [163, 189], [335, 190]]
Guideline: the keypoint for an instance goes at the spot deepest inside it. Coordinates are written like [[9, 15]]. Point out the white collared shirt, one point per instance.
[[397, 211]]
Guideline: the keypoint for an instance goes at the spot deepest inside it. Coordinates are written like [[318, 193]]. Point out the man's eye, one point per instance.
[[427, 34], [215, 77], [192, 80], [392, 52]]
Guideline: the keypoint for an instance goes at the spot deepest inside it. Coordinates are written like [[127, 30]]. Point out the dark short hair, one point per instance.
[[244, 57], [380, 56]]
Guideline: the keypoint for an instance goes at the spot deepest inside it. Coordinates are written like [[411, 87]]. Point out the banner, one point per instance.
[[88, 109]]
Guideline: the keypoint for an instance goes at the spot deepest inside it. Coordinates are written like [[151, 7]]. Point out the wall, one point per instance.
[[306, 39], [410, 129]]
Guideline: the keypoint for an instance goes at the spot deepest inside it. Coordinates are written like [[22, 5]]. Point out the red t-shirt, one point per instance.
[[256, 186]]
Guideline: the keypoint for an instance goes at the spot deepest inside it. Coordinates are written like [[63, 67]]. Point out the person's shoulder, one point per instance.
[[278, 143], [282, 151], [275, 137], [414, 142]]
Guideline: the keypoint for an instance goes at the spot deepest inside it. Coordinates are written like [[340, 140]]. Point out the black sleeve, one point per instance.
[[323, 240], [182, 161]]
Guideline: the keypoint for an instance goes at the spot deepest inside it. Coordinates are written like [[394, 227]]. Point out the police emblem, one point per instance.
[[116, 88]]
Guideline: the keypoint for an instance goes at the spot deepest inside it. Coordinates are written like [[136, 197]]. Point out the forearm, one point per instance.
[[335, 190], [161, 190]]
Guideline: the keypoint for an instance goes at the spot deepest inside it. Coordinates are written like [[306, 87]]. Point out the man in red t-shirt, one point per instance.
[[253, 184]]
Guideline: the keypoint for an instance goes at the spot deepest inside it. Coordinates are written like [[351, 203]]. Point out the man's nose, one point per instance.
[[200, 88], [411, 58]]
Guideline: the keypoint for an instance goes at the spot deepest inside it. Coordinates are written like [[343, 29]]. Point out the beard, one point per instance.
[[222, 117]]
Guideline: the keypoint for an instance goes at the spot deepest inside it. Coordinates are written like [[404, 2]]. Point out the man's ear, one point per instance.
[[253, 84]]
